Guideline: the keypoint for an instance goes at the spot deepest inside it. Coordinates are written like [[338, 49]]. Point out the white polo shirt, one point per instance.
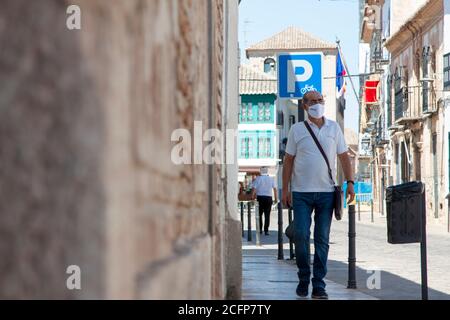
[[264, 185], [310, 173]]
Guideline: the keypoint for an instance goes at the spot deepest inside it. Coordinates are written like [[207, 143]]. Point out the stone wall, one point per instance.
[[86, 118]]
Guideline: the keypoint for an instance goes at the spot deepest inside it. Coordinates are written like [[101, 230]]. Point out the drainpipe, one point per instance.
[[448, 213], [211, 114]]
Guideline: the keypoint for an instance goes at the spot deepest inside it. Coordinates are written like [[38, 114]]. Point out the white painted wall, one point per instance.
[[446, 49], [402, 10], [231, 103], [364, 58]]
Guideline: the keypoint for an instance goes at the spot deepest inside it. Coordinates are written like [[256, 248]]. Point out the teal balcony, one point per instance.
[[257, 110]]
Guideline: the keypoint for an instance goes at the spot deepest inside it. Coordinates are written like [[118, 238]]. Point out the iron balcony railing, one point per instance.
[[415, 101]]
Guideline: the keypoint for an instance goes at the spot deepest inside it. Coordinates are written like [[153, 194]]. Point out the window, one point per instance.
[[426, 61], [280, 118], [246, 147], [267, 112], [264, 112], [397, 161], [447, 71], [249, 112], [269, 66], [246, 112], [264, 146], [243, 112], [260, 112], [261, 148], [389, 101], [401, 92]]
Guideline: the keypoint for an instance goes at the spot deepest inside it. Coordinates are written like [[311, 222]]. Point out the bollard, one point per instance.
[[423, 250], [257, 224], [359, 209], [371, 210], [351, 248], [358, 198], [249, 222], [291, 244], [242, 218], [280, 232], [448, 213], [382, 195]]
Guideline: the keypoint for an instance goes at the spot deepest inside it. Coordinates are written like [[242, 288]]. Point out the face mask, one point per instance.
[[317, 111]]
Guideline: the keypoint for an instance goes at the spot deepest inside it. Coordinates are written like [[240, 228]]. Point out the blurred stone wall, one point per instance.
[[86, 118]]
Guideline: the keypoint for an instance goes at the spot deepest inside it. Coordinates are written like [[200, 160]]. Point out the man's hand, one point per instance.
[[286, 199], [350, 192]]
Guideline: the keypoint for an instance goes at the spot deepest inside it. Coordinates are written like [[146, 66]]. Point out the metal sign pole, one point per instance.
[[291, 244], [257, 223], [358, 199], [423, 251], [280, 232], [242, 218], [249, 222]]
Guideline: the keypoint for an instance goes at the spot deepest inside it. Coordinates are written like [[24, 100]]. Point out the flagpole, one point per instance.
[[338, 42]]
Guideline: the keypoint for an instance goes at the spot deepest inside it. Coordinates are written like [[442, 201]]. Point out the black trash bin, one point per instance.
[[405, 204]]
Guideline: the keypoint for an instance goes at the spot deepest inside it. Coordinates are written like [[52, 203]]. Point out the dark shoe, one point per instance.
[[267, 233], [320, 294], [302, 290]]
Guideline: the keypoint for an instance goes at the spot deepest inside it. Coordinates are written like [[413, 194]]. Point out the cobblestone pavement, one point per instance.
[[397, 265]]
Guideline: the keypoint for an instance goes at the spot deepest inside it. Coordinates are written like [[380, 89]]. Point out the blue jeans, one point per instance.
[[323, 204]]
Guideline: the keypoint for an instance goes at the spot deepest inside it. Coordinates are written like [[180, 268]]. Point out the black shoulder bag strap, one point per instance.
[[321, 150]]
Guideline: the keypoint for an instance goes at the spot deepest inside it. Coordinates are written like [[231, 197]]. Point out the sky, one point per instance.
[[325, 19]]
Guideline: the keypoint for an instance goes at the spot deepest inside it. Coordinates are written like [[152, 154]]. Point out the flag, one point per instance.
[[340, 73]]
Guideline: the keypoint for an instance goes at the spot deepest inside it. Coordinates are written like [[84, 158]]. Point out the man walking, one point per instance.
[[262, 190], [312, 189]]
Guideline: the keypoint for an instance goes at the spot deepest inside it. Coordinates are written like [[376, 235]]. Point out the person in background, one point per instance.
[[262, 189]]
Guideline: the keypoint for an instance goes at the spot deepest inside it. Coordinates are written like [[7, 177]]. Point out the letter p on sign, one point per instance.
[[299, 73]]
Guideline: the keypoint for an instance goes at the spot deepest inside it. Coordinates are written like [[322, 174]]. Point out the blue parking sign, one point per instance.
[[299, 73]]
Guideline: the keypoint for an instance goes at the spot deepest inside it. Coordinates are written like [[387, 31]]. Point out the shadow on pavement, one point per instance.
[[392, 287]]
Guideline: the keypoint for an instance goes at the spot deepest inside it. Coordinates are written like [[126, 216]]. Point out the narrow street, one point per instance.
[[265, 277], [134, 132]]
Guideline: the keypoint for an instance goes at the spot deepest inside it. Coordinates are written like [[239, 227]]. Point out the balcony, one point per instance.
[[428, 95], [381, 137], [415, 103]]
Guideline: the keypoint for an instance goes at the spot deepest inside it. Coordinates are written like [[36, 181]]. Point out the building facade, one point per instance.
[[257, 140], [405, 111], [86, 123]]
